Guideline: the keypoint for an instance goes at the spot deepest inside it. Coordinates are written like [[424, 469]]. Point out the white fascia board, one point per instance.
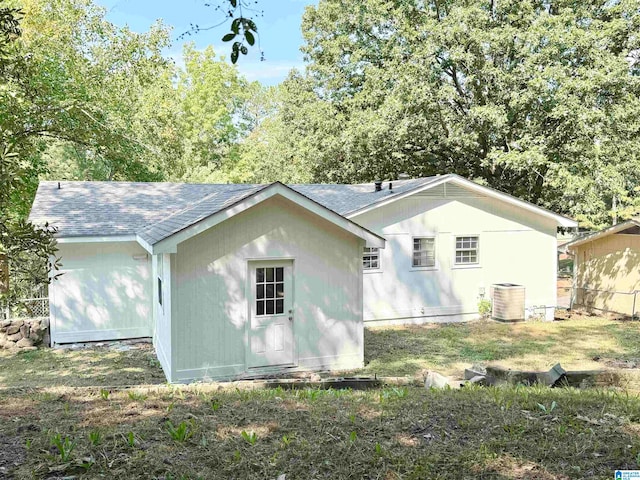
[[393, 198], [97, 239], [490, 192], [144, 244], [169, 244], [595, 236]]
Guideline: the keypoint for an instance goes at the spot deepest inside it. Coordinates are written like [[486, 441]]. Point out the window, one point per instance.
[[424, 252], [270, 291], [159, 269], [466, 250], [371, 258]]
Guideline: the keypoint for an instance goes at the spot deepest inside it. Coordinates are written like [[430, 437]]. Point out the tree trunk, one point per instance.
[[4, 273]]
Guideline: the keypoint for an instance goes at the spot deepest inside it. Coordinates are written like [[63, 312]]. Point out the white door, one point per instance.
[[271, 314]]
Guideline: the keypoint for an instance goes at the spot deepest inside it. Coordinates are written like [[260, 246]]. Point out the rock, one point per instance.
[[24, 330], [24, 342], [15, 337], [13, 329], [5, 323], [436, 380], [552, 377], [478, 380], [474, 371], [19, 323], [591, 378]]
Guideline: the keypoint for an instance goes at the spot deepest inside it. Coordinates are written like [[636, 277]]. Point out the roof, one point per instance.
[[124, 208], [208, 212], [155, 211], [618, 227]]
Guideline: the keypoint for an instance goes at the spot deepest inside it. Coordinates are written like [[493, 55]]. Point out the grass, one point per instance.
[[60, 419], [409, 433], [451, 348], [98, 366]]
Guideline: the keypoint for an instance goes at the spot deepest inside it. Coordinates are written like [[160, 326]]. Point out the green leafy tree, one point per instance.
[[537, 98], [200, 113], [69, 112], [20, 242]]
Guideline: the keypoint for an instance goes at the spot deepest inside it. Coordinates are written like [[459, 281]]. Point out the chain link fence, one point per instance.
[[608, 301]]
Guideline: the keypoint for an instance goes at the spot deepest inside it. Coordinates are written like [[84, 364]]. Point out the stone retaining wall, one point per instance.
[[24, 334]]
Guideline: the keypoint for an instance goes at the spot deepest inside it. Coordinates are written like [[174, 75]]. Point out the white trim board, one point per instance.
[[97, 239]]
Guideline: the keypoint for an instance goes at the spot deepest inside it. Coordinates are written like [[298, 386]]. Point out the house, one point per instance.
[[243, 280], [607, 269]]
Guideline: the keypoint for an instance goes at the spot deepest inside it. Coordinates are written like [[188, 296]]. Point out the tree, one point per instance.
[[20, 241], [198, 115], [70, 112], [540, 99]]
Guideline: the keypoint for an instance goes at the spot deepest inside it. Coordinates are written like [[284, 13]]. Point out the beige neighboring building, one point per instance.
[[607, 269]]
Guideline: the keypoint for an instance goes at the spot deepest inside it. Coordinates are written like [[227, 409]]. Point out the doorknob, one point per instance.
[[291, 319]]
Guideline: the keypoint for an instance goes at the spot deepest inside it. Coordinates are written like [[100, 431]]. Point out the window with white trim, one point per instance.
[[371, 258], [467, 250], [424, 252], [269, 291], [159, 268]]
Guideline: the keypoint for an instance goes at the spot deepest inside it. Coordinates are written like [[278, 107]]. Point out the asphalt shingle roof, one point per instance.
[[157, 210]]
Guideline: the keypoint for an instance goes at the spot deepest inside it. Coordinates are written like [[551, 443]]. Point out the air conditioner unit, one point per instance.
[[507, 302]]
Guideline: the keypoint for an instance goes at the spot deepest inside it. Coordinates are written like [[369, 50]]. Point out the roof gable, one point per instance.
[[164, 236], [477, 189], [617, 228]]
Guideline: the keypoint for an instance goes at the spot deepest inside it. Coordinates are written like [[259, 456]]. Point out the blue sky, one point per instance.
[[279, 28]]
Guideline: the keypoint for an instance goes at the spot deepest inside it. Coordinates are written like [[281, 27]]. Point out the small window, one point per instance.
[[160, 271], [424, 252], [466, 250], [371, 258], [270, 291]]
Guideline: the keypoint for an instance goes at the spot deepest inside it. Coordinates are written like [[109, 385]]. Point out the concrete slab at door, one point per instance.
[[271, 318]]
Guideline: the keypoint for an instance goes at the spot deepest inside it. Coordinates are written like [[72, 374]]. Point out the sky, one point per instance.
[[279, 28]]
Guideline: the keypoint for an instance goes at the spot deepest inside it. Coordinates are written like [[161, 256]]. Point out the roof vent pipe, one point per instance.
[[390, 186], [378, 184]]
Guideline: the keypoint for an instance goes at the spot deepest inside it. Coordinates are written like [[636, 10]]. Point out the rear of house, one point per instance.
[[244, 280], [447, 244]]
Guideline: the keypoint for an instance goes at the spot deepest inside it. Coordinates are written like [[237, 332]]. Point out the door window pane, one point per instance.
[[269, 287]]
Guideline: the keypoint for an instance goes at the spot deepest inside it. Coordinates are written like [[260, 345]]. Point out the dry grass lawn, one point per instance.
[[57, 419], [582, 343]]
